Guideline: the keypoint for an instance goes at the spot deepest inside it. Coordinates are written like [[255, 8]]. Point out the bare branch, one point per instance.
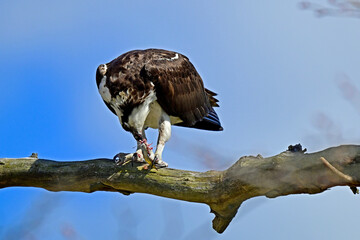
[[224, 191]]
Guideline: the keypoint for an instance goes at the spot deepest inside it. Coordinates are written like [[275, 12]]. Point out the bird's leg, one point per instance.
[[164, 136], [147, 152], [143, 150], [140, 139], [138, 156]]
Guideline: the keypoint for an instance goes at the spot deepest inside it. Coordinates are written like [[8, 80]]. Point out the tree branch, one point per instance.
[[224, 191]]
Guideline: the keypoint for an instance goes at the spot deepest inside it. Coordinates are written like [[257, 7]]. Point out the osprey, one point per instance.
[[155, 88]]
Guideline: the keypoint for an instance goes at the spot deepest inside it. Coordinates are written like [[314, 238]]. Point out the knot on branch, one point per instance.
[[224, 214]]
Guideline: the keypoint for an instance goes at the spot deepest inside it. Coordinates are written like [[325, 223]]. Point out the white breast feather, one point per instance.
[[155, 115], [139, 114], [104, 91]]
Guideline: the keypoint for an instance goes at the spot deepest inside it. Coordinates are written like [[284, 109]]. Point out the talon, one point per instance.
[[159, 163], [153, 162]]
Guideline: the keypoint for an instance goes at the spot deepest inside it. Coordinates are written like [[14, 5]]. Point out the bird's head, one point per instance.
[[127, 127], [102, 69]]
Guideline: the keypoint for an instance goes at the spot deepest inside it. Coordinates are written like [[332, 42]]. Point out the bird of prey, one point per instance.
[[156, 88]]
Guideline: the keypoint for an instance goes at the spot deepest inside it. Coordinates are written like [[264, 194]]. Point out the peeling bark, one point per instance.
[[224, 191]]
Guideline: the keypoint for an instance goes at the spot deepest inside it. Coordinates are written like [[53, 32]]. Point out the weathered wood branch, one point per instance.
[[224, 191]]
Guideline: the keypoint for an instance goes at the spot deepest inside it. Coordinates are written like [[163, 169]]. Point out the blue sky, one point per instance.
[[280, 74]]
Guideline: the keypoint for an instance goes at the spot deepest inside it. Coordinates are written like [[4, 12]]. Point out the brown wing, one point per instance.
[[179, 88]]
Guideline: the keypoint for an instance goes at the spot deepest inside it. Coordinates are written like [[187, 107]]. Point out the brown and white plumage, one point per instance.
[[156, 88]]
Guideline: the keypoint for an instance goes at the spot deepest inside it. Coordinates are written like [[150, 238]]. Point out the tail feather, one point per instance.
[[213, 118], [210, 122], [211, 95]]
